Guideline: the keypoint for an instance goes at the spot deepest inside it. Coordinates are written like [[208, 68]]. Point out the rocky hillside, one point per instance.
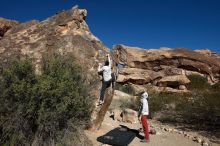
[[165, 67]]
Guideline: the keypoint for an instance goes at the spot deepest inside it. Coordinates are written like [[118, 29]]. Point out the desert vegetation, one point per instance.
[[201, 106], [47, 109]]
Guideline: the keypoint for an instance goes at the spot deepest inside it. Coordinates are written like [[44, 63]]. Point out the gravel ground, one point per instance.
[[162, 138]]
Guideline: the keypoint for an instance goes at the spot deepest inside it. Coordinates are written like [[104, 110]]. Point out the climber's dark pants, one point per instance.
[[105, 85]]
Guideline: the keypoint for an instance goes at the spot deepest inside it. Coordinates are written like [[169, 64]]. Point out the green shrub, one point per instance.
[[200, 106], [204, 106], [15, 99], [44, 108], [157, 101], [198, 82]]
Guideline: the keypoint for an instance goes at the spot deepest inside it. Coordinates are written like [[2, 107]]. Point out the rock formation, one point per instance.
[[165, 67], [130, 116], [64, 33], [5, 25]]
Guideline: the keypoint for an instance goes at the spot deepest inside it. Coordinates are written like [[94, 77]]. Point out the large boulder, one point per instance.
[[165, 66], [65, 33], [138, 88], [129, 116]]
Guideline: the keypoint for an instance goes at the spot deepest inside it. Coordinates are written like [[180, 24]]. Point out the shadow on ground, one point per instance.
[[120, 136]]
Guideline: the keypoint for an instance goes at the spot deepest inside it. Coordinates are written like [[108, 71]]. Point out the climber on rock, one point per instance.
[[106, 77]]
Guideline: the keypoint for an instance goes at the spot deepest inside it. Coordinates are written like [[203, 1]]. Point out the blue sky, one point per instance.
[[143, 23]]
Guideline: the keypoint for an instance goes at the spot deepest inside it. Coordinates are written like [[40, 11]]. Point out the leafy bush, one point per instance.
[[158, 101], [15, 99], [204, 105], [43, 109], [200, 106], [198, 82]]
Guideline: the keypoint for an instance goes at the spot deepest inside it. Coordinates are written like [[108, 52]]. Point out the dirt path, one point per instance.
[[162, 138]]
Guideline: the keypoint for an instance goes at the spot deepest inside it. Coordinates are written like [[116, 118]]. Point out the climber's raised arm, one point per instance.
[[109, 60]]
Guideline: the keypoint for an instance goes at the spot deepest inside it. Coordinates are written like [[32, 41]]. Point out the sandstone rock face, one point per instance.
[[138, 88], [137, 76], [207, 52], [165, 67], [5, 25], [64, 33], [174, 80]]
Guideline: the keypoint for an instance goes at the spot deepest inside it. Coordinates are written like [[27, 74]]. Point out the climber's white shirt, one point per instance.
[[106, 71], [144, 109]]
